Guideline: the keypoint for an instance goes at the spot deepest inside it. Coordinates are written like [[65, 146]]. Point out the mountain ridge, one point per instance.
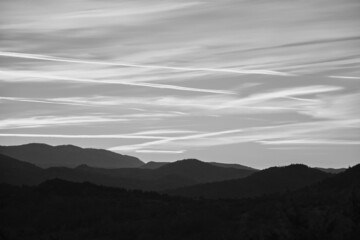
[[271, 180], [131, 178], [45, 155]]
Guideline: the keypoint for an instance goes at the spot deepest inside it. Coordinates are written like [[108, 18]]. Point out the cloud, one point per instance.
[[46, 121], [160, 151], [345, 77], [171, 68], [274, 101], [170, 139], [164, 131], [205, 102], [37, 76], [274, 94], [265, 134], [345, 106], [79, 136], [47, 101], [310, 142], [86, 14], [130, 9]]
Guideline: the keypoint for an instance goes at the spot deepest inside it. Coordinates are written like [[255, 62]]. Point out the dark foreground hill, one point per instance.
[[58, 209], [44, 155], [17, 172], [173, 175], [275, 179]]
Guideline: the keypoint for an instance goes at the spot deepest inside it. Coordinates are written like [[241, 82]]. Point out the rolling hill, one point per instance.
[[173, 175], [17, 172], [154, 165], [183, 172], [44, 155], [201, 172], [271, 180]]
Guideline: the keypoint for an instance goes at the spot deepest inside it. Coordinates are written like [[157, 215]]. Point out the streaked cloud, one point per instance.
[[69, 60], [34, 100], [38, 76], [310, 142], [80, 136], [167, 140], [203, 102], [63, 16], [256, 134], [164, 131], [45, 121], [345, 77], [160, 151]]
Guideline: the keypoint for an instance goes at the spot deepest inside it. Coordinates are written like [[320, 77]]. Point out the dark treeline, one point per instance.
[[58, 209]]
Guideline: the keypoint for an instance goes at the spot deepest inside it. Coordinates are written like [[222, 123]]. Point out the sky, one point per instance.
[[254, 82]]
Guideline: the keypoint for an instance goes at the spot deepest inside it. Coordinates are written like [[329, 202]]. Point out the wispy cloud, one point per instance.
[[47, 101], [170, 139], [310, 142], [295, 91], [201, 102], [60, 16], [38, 76], [70, 60], [79, 136], [164, 131], [345, 77], [338, 106], [253, 134], [160, 151], [45, 121]]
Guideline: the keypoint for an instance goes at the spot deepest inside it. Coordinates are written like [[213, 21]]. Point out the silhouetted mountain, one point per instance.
[[181, 173], [59, 209], [232, 165], [153, 165], [348, 179], [17, 172], [44, 155], [332, 170], [175, 176], [201, 172], [275, 179]]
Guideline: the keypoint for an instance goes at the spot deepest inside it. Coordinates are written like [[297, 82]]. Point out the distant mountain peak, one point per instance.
[[70, 146], [33, 145], [186, 163], [83, 166], [190, 161], [297, 165]]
